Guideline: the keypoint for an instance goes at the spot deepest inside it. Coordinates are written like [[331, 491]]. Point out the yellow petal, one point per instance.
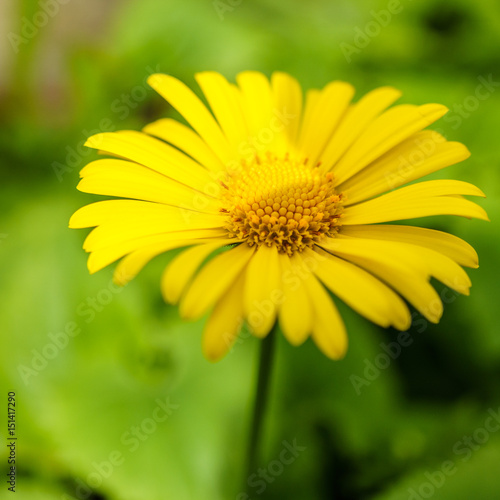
[[111, 211], [441, 187], [330, 108], [213, 280], [184, 100], [363, 292], [103, 256], [187, 140], [397, 271], [263, 292], [296, 315], [154, 223], [312, 99], [405, 163], [111, 177], [329, 331], [287, 98], [452, 246], [418, 200], [180, 271], [130, 266], [387, 131], [226, 108], [424, 260], [224, 323], [156, 155], [425, 208], [357, 119], [257, 104]]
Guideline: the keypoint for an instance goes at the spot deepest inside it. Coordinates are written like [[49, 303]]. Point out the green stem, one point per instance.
[[261, 394]]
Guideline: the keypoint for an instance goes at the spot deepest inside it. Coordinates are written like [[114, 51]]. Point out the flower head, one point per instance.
[[276, 201]]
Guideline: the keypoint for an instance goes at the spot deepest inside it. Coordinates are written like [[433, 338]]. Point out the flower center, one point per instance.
[[282, 202]]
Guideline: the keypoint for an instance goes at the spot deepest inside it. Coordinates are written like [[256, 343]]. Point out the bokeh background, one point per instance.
[[90, 417]]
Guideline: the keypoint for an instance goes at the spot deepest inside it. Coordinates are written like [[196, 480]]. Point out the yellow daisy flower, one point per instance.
[[276, 201]]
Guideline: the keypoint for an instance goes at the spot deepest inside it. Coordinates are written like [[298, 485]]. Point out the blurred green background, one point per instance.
[[91, 410]]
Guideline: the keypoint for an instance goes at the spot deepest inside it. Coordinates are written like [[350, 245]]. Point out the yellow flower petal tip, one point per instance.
[[335, 355], [156, 79], [276, 197], [214, 355], [95, 141], [433, 110]]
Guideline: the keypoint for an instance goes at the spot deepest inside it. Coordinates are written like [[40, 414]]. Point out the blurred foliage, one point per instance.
[[132, 349]]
